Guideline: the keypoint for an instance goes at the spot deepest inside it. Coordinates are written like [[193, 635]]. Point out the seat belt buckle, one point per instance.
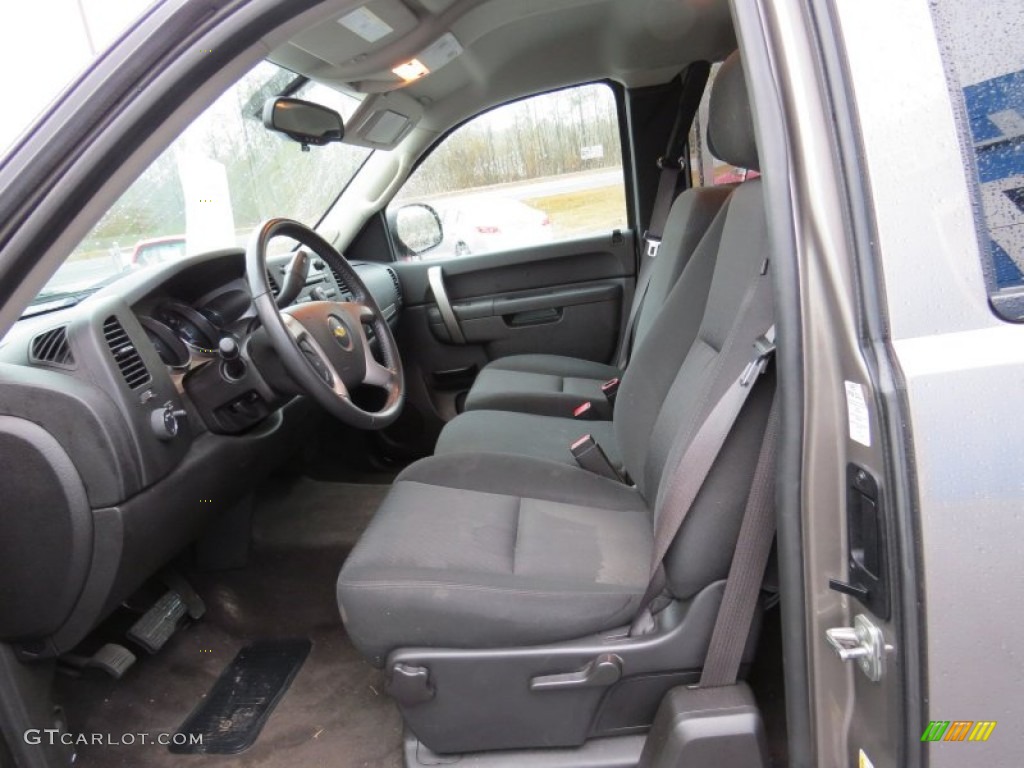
[[610, 389], [584, 411], [591, 457], [764, 348], [652, 245]]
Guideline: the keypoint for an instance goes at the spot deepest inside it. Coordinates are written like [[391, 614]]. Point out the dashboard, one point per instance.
[[129, 431]]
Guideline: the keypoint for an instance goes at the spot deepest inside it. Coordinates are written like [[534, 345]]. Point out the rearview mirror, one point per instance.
[[303, 121]]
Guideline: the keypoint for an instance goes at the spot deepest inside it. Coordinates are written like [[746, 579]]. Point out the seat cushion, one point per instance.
[[484, 551], [523, 434], [548, 385]]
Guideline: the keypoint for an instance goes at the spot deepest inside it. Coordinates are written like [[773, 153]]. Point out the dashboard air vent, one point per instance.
[[274, 287], [346, 293], [127, 357], [51, 348], [398, 284]]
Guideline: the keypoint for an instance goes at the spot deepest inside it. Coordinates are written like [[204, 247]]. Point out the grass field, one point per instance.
[[588, 211]]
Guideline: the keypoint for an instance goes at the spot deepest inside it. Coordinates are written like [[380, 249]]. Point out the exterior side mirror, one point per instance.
[[417, 228], [303, 121]]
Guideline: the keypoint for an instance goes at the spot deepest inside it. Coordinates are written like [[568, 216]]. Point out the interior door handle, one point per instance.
[[436, 278], [533, 317]]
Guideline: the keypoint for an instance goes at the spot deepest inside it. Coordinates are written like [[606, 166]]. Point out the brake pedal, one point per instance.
[[112, 658], [156, 626]]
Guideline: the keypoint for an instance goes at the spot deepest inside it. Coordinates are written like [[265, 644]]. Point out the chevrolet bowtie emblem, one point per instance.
[[340, 333]]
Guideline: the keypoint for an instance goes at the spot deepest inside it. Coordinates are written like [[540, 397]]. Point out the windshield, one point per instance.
[[212, 187]]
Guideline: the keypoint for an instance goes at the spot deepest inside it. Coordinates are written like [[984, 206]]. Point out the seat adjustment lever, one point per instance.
[[603, 671]]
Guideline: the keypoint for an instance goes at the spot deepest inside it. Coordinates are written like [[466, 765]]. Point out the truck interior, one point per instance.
[[326, 499]]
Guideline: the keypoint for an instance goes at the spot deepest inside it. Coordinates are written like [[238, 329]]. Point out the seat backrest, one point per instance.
[[688, 221], [698, 345]]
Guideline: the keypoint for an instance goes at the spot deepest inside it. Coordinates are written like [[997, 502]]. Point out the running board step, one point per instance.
[[155, 627]]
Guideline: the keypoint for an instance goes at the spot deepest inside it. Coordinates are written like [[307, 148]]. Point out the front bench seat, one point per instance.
[[645, 383], [476, 550], [553, 385], [470, 552]]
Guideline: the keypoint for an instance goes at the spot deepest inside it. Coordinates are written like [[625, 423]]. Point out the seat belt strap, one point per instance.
[[643, 284], [671, 167], [694, 467], [672, 164], [743, 584]]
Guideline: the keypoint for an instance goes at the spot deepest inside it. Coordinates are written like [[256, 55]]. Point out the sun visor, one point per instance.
[[383, 120]]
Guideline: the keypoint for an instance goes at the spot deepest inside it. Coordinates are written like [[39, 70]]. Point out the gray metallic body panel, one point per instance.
[[964, 371]]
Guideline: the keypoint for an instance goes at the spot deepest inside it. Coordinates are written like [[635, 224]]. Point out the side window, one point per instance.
[[985, 64], [541, 170], [706, 169]]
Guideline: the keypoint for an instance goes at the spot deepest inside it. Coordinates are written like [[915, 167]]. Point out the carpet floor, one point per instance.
[[334, 714]]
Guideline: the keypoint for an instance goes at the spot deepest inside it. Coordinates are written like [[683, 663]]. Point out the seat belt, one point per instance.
[[746, 573], [693, 469], [672, 165], [673, 162]]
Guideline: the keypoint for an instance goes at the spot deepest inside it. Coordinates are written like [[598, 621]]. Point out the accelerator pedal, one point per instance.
[[156, 626], [175, 582]]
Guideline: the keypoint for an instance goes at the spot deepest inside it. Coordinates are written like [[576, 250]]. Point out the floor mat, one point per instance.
[[335, 712], [245, 694]]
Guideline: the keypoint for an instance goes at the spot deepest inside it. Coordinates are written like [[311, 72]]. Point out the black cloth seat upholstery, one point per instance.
[[549, 385], [553, 385], [524, 434], [471, 552], [485, 550]]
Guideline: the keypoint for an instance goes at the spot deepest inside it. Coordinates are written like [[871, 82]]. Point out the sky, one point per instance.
[[45, 44]]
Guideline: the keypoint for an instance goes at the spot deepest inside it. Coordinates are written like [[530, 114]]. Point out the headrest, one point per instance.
[[730, 124]]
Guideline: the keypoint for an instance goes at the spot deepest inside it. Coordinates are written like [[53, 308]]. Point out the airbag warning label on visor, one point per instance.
[[857, 412]]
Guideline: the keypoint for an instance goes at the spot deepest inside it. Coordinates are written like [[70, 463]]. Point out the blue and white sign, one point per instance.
[[995, 110]]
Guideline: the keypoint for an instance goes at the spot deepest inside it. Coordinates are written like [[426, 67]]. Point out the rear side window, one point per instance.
[[536, 171], [984, 57]]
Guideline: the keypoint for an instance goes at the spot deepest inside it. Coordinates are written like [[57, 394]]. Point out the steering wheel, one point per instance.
[[323, 344]]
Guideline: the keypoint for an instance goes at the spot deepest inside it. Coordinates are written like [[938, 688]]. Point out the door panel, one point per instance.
[[602, 257], [564, 298], [579, 321]]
